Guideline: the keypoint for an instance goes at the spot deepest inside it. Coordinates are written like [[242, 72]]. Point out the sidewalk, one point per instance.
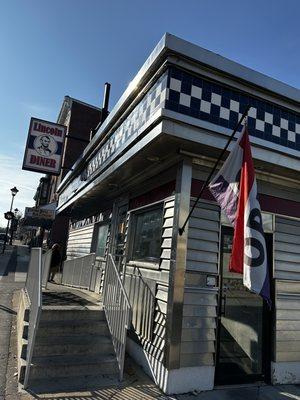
[[7, 261], [4, 258], [136, 385]]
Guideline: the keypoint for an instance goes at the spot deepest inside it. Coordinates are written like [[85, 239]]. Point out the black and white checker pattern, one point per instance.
[[153, 100], [224, 106]]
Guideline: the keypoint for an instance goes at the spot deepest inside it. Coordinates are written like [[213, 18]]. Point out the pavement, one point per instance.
[[13, 267], [136, 384]]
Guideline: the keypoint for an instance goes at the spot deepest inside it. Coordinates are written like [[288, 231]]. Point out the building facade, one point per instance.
[[194, 325], [80, 119]]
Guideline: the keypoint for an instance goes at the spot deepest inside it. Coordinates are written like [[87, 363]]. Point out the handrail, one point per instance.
[[77, 272], [117, 311], [46, 263], [144, 307], [33, 288]]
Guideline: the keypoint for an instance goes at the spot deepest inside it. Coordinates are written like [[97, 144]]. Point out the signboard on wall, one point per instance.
[[38, 216], [44, 147]]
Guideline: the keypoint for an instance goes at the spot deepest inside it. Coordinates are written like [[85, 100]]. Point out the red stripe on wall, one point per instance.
[[157, 194], [268, 203]]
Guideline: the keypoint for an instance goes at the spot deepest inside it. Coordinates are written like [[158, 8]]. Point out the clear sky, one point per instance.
[[49, 49]]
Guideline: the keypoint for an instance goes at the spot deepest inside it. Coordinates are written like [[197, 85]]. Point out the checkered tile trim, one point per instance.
[[151, 102], [223, 106]]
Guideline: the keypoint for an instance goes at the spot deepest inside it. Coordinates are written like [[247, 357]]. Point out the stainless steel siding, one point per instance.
[[200, 302], [157, 280], [287, 249], [80, 241], [287, 289], [203, 239]]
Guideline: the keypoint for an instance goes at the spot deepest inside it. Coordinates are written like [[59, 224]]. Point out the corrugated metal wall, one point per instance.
[[200, 302], [149, 294], [287, 289], [80, 241]]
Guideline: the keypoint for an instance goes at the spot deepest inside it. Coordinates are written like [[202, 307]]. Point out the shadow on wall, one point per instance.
[[148, 331]]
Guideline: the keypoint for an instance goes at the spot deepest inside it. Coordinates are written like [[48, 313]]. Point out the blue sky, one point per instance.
[[50, 49]]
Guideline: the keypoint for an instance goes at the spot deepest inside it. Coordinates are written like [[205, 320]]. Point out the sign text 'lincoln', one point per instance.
[[44, 147]]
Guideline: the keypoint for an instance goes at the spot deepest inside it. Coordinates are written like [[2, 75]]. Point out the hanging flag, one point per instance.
[[235, 189]]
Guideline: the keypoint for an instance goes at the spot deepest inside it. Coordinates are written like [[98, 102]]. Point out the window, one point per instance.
[[120, 231], [101, 240], [147, 235]]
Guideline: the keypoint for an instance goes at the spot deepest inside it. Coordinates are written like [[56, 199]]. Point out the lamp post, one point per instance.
[[13, 225], [14, 191]]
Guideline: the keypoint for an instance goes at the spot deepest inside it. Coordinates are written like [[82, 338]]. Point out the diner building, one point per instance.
[[194, 325], [80, 120]]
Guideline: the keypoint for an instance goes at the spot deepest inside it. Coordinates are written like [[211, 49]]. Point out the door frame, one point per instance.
[[268, 319]]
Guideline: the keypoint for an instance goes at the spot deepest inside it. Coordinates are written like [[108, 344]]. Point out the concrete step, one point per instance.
[[71, 366], [76, 344], [67, 313], [24, 346], [26, 315], [73, 327], [76, 383], [25, 329]]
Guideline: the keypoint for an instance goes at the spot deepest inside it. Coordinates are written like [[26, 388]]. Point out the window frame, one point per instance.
[[153, 264], [97, 227]]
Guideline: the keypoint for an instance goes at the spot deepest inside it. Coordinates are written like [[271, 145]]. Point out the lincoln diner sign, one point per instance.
[[44, 147]]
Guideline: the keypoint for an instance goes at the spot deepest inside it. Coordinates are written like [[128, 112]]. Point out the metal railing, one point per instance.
[[46, 262], [78, 271], [117, 310], [141, 294], [33, 288]]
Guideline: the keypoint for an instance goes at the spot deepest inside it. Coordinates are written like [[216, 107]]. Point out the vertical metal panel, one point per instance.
[[33, 287], [287, 289], [178, 265]]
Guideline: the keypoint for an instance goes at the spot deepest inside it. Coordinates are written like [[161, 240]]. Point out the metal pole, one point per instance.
[[7, 227], [11, 231], [205, 184]]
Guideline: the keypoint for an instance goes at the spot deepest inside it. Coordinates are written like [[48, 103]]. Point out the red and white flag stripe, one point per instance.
[[235, 189]]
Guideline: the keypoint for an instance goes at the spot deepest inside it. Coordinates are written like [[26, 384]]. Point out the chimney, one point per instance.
[[104, 111]]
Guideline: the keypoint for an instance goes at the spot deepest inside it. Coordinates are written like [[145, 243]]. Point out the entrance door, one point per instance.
[[243, 351]]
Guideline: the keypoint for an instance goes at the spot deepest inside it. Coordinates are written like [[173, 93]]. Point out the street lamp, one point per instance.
[[14, 191], [13, 224]]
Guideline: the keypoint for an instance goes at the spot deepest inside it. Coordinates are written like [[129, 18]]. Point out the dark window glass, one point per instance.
[[147, 235], [241, 324], [101, 240], [120, 233]]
